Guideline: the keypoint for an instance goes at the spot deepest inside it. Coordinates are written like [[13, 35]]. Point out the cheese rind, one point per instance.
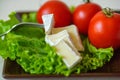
[[73, 32]]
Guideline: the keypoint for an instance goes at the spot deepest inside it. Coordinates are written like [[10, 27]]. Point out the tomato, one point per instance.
[[83, 14], [62, 14], [104, 30]]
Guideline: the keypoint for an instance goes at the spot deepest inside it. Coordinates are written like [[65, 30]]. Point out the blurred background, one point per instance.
[[6, 6]]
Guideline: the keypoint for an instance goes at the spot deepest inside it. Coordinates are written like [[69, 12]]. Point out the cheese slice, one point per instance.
[[69, 56], [65, 47], [48, 21], [56, 38], [62, 40], [73, 32]]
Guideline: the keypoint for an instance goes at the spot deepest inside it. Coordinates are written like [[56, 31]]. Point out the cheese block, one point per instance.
[[62, 40], [65, 48], [73, 32], [69, 56], [48, 21], [56, 38]]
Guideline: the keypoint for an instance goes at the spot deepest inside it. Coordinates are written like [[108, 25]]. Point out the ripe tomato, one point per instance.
[[104, 31], [62, 14], [83, 14]]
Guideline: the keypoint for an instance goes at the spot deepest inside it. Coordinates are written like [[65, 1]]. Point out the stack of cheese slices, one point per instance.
[[66, 40]]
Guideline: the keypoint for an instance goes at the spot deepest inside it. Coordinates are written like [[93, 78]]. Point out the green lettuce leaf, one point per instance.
[[93, 57], [31, 17], [6, 25]]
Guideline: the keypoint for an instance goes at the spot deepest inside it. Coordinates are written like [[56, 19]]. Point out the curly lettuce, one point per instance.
[[6, 25]]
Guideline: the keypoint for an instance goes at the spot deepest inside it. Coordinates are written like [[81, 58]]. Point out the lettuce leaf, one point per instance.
[[93, 57], [6, 25], [33, 54], [31, 17]]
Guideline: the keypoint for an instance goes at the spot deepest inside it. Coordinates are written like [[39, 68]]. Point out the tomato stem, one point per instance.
[[87, 1], [108, 12]]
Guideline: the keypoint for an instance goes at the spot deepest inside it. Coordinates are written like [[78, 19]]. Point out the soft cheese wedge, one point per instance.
[[48, 21], [65, 48], [65, 40], [72, 30], [69, 56], [56, 38]]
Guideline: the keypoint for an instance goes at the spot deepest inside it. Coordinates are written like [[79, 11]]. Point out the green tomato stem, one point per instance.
[[108, 12]]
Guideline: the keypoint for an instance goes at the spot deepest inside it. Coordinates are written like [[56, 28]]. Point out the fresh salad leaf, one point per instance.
[[93, 57], [31, 17], [35, 56], [6, 25], [32, 54]]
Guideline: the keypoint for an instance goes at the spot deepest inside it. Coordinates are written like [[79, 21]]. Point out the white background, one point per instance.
[[7, 6]]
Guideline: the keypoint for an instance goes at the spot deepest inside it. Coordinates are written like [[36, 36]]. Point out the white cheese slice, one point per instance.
[[65, 47], [56, 38], [69, 56], [48, 21], [70, 43], [62, 41], [73, 32]]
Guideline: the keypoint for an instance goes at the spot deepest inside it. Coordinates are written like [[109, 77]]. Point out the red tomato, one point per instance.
[[83, 14], [105, 31], [62, 14]]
